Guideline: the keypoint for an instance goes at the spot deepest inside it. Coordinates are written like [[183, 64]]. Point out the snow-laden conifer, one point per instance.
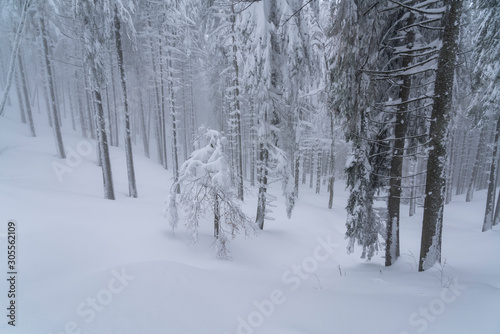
[[205, 188]]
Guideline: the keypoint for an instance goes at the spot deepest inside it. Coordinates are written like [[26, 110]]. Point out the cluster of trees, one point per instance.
[[400, 94]]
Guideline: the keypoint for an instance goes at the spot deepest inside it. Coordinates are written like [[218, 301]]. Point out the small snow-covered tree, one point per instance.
[[205, 183]]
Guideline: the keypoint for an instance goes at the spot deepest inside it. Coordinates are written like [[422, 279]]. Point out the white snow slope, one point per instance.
[[90, 265]]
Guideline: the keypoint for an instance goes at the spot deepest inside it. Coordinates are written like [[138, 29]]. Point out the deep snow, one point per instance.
[[90, 265]]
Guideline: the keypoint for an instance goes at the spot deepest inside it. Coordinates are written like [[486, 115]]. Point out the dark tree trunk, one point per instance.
[[237, 111], [216, 216], [477, 162], [52, 96], [262, 175], [27, 104], [104, 149], [430, 249], [331, 171], [132, 187], [492, 184]]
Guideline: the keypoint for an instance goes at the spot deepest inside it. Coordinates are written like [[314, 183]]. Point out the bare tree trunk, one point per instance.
[[24, 85], [107, 176], [50, 83], [492, 184], [262, 175], [216, 216], [304, 168], [450, 164], [413, 192], [163, 120], [297, 171], [132, 187], [477, 162], [253, 143], [236, 106], [20, 97], [157, 110], [432, 227], [144, 130], [113, 113], [311, 167], [392, 247], [173, 115], [331, 179], [83, 124], [318, 170]]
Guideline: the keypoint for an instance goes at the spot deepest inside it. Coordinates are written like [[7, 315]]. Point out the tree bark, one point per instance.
[[262, 175], [24, 86], [430, 248], [331, 171], [52, 96], [492, 184], [107, 176], [132, 187], [477, 162], [236, 106]]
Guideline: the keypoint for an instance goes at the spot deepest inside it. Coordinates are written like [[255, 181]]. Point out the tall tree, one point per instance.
[[487, 78], [51, 87], [132, 187], [430, 248], [95, 36]]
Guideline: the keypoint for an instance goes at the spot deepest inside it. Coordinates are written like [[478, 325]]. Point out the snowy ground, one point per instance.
[[89, 265]]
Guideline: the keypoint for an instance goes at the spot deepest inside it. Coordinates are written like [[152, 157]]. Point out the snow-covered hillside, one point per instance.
[[90, 265]]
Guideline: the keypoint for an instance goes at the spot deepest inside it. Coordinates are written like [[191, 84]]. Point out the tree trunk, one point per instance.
[[157, 109], [318, 170], [430, 249], [253, 143], [132, 187], [24, 87], [297, 171], [52, 96], [477, 162], [107, 176], [144, 131], [413, 192], [311, 167], [216, 216], [262, 175], [392, 248], [173, 115], [236, 107], [20, 97], [450, 166], [331, 171], [492, 184]]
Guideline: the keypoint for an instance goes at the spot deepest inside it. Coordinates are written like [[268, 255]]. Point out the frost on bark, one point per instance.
[[477, 162], [132, 187], [331, 170], [24, 88], [430, 248], [236, 110], [107, 177], [492, 184], [392, 247], [91, 13], [52, 95]]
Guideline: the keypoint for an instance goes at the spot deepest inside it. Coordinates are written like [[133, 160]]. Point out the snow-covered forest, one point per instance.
[[250, 166]]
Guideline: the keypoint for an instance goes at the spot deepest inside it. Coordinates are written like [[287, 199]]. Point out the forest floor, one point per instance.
[[90, 265]]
